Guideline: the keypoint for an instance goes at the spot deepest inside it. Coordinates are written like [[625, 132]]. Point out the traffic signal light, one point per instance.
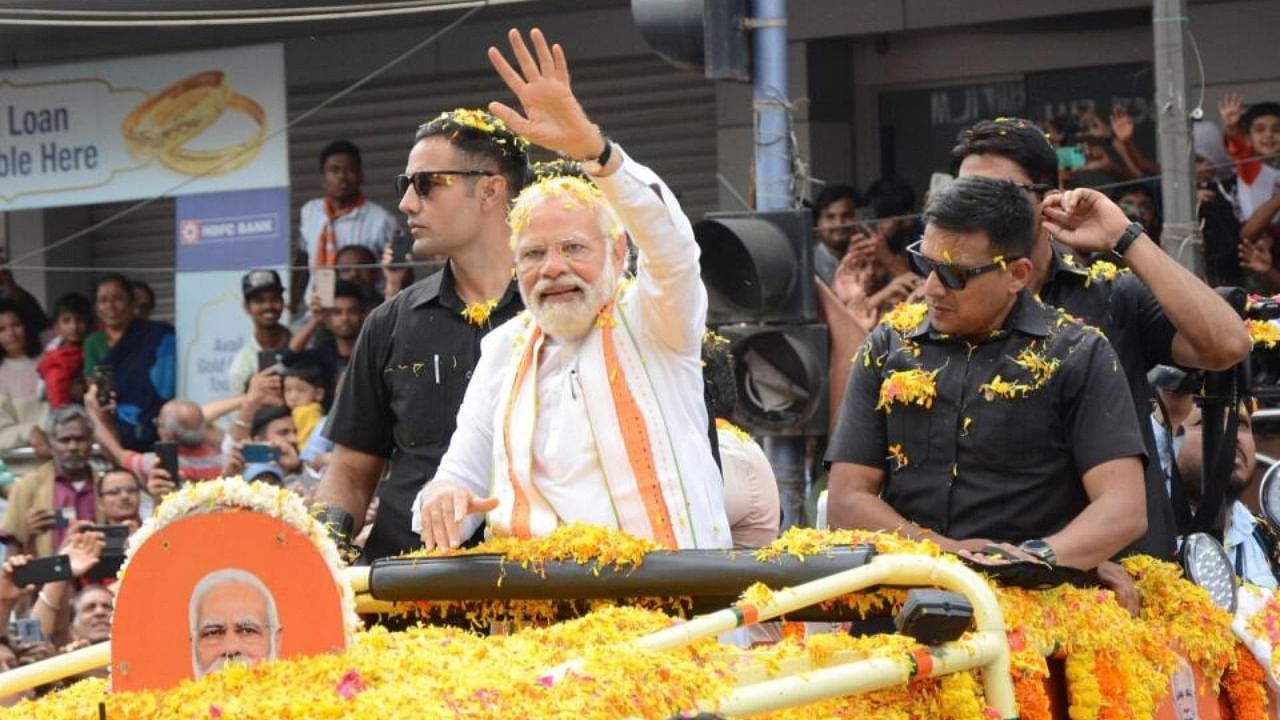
[[706, 36], [758, 266], [781, 377]]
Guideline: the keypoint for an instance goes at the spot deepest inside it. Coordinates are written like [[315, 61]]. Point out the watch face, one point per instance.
[[1206, 564], [1269, 496]]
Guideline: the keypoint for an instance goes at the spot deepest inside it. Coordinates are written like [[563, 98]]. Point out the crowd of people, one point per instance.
[[558, 369]]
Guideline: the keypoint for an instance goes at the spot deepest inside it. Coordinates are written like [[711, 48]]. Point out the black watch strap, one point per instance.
[[339, 523], [1127, 238]]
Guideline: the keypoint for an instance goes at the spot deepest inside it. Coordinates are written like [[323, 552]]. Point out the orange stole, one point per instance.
[[635, 435]]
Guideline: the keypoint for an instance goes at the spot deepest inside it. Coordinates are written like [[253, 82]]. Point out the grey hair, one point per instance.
[[66, 414], [231, 576]]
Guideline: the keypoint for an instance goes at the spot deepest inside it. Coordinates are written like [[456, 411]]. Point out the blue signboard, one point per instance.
[[233, 230]]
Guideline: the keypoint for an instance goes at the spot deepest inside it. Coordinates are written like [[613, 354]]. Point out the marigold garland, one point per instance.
[[908, 387], [1263, 332], [1244, 686], [459, 674], [905, 316], [477, 313]]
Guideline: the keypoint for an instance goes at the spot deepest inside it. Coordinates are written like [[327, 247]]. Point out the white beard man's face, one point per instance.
[[566, 307]]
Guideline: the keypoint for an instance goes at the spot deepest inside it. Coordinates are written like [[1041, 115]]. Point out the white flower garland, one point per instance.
[[232, 493]]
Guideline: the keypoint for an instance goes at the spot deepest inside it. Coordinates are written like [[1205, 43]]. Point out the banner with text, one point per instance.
[[218, 237], [140, 127]]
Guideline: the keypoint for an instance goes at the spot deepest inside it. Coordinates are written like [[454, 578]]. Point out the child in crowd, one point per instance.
[[63, 362], [1253, 140], [304, 394]]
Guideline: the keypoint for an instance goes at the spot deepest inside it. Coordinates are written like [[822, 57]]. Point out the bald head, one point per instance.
[[181, 421]]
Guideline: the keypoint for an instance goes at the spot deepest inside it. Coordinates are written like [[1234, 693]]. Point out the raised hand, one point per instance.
[[1121, 124], [1084, 219], [1230, 110], [552, 117]]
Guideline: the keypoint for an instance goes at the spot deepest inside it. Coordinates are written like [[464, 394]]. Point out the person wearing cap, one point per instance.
[[264, 304], [414, 357]]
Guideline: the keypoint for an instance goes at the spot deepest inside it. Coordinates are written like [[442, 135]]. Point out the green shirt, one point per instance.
[[95, 349]]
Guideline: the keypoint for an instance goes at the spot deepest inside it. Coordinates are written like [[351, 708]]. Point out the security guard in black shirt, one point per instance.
[[987, 416], [414, 357], [1154, 313]]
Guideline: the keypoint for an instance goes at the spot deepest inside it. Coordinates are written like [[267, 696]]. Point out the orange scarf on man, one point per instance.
[[327, 246]]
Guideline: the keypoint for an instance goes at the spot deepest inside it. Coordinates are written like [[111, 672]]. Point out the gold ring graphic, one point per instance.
[[226, 159], [162, 125], [176, 114]]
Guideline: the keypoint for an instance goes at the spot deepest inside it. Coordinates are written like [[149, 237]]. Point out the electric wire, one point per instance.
[[249, 20]]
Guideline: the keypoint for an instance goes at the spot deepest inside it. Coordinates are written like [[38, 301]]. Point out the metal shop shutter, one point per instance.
[[664, 117], [141, 239]]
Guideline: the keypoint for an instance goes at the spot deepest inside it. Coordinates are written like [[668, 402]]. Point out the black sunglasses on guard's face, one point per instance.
[[423, 180], [953, 276]]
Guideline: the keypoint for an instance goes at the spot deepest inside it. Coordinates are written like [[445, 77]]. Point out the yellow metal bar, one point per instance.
[[368, 605], [903, 570], [861, 676], [357, 578], [55, 668]]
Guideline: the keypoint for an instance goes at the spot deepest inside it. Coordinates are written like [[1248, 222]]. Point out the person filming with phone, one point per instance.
[[44, 503]]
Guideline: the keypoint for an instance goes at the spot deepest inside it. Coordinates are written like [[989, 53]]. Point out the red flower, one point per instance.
[[350, 685], [215, 711]]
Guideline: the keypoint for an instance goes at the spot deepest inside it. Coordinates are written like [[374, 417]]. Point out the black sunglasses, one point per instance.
[[952, 276], [1036, 188], [423, 180]]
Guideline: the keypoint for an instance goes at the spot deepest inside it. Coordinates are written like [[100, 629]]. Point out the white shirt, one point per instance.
[[1251, 196], [369, 225], [1248, 558], [668, 314]]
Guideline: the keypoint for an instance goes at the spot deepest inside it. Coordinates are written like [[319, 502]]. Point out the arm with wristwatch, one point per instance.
[[1210, 335]]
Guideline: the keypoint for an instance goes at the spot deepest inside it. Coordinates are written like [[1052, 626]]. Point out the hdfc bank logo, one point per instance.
[[190, 232]]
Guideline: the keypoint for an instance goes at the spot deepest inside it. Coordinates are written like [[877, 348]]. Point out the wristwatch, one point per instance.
[[595, 165], [1127, 237], [1040, 549]]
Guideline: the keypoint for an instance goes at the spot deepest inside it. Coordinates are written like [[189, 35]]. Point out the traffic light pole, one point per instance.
[[773, 165], [772, 125]]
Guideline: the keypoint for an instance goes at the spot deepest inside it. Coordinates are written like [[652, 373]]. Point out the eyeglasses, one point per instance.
[[423, 180], [1036, 188], [953, 276]]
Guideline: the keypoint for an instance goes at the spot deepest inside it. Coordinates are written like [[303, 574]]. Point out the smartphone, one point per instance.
[[63, 517], [43, 570], [103, 377], [107, 567], [259, 453], [269, 358], [401, 247], [326, 285], [114, 538], [1070, 157], [28, 631], [167, 456]]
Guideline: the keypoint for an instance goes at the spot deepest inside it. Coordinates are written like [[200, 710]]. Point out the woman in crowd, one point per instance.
[[21, 407], [140, 354]]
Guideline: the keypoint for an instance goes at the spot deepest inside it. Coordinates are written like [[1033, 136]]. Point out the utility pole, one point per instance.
[[1181, 238]]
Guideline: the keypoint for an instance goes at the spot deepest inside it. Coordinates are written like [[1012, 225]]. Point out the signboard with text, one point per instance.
[[140, 127]]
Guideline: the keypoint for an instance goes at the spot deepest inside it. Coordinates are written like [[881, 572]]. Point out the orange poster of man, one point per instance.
[[216, 588]]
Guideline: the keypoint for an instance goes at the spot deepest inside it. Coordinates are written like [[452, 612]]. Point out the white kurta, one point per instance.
[[664, 311]]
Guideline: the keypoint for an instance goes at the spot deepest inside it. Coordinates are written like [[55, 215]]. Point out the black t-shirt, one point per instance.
[[1120, 305], [405, 382], [1015, 422]]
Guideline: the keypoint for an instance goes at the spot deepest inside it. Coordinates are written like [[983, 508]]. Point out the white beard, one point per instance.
[[571, 319]]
